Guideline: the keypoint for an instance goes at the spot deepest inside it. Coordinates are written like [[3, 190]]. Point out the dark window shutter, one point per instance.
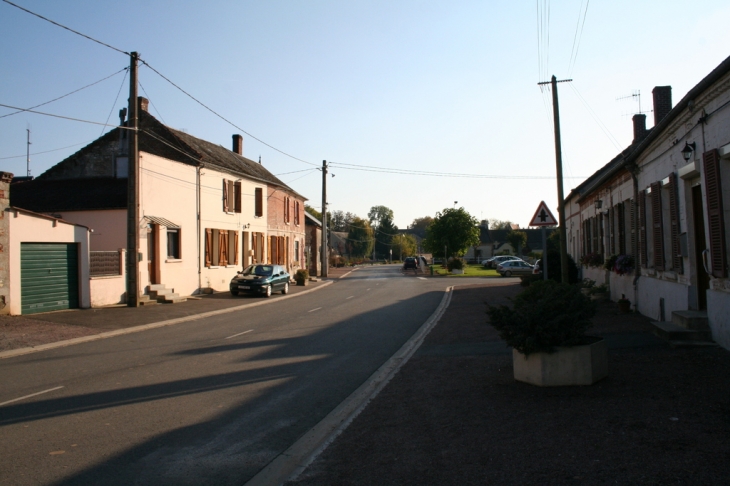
[[657, 226], [612, 231], [674, 221], [632, 222], [259, 210], [601, 231], [715, 216], [235, 247], [225, 195], [643, 251], [595, 235], [621, 208], [237, 192], [208, 246]]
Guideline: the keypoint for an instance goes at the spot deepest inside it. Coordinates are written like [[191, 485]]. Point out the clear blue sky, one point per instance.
[[421, 86]]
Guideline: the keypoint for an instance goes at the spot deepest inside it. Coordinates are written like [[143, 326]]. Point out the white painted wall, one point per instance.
[[26, 227]]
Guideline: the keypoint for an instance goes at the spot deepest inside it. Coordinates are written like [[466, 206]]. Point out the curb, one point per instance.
[[293, 461], [129, 330]]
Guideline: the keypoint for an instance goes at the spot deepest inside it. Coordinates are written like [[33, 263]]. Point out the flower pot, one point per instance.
[[302, 281], [624, 306], [574, 365]]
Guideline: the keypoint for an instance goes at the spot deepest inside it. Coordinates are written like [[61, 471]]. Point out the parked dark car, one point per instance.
[[410, 262], [261, 280]]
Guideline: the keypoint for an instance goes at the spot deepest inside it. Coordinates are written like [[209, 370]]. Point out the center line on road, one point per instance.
[[350, 297], [318, 308], [31, 395], [368, 289], [240, 333]]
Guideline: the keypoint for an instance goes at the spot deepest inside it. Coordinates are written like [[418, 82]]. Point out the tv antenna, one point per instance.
[[28, 144], [635, 96]]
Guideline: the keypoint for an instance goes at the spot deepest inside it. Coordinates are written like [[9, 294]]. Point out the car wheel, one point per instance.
[[507, 273], [285, 290], [268, 291], [234, 292]]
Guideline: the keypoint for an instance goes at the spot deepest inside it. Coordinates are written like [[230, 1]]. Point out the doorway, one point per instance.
[[152, 254], [703, 279]]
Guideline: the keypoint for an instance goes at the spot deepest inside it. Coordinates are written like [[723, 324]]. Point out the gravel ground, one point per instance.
[[22, 332], [455, 415]]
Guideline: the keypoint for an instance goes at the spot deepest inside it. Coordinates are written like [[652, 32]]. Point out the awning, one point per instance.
[[161, 221]]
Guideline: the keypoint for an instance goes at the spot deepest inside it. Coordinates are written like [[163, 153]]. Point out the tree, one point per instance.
[[378, 214], [313, 211], [404, 245], [497, 224], [360, 237], [455, 228], [383, 237], [421, 224], [517, 239]]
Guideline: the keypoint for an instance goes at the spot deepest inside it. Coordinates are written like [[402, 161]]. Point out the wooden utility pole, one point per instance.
[[559, 170], [325, 261], [133, 190]]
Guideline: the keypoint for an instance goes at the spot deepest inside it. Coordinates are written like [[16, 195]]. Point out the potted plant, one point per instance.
[[456, 266], [301, 277], [624, 305], [546, 329], [586, 285]]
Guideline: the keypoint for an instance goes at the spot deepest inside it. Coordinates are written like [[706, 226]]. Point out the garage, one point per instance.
[[49, 277]]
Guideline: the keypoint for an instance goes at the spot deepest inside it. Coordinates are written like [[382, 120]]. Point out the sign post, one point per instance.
[[543, 218]]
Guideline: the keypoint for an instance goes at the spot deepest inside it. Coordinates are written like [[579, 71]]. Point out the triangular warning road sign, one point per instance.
[[543, 216]]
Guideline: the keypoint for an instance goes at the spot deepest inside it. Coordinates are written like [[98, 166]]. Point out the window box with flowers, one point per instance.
[[620, 264], [591, 260]]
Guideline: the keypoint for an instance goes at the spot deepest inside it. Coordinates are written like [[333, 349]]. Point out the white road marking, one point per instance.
[[318, 308], [350, 297], [368, 289], [31, 395], [422, 278], [239, 334]]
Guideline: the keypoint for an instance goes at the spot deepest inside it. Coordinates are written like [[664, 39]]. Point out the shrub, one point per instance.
[[554, 271], [610, 262], [301, 274], [455, 264], [545, 315]]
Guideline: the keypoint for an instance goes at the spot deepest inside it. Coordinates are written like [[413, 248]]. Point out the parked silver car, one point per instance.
[[514, 267], [496, 260]]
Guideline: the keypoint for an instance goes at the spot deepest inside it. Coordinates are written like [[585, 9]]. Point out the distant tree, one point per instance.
[[404, 245], [496, 224], [517, 239], [455, 228], [384, 234], [421, 224], [338, 221], [553, 241], [313, 211], [360, 237], [378, 214]]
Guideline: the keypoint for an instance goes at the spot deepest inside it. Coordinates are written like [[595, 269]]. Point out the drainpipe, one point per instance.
[[197, 216], [634, 170]]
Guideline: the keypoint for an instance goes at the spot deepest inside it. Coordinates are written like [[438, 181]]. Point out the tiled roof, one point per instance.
[[52, 195]]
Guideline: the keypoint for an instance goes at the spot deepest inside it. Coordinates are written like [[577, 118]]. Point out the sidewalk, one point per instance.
[[38, 329], [455, 415]]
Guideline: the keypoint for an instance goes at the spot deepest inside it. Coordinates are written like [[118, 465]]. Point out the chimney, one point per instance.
[[639, 127], [662, 102], [238, 144], [143, 103]]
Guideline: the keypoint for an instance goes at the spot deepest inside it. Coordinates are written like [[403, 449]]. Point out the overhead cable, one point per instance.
[[63, 117]]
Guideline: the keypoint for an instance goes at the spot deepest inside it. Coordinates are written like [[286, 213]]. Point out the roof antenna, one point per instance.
[[259, 159], [28, 151]]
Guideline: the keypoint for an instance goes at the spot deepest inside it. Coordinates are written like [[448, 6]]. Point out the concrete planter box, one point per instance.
[[457, 272], [301, 282], [574, 365]]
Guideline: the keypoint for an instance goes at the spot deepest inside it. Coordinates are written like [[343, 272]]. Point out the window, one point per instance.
[[296, 213], [657, 226], [715, 214], [259, 202], [121, 167], [221, 247], [287, 207], [676, 258], [643, 250], [231, 196], [173, 243]]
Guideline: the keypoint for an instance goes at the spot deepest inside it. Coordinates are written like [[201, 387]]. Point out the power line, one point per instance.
[[389, 170], [576, 47], [46, 151], [62, 117], [221, 116], [149, 98], [115, 103], [67, 28], [598, 121], [68, 94]]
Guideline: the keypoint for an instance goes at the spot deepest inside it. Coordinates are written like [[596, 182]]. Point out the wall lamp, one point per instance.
[[598, 204], [687, 150]]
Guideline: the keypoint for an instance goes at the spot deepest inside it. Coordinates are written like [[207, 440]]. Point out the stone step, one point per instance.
[[170, 298], [160, 293], [157, 287], [673, 332], [145, 300], [691, 319]]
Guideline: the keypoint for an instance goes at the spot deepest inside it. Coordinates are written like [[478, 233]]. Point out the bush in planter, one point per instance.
[[301, 277], [554, 270], [455, 264], [545, 315]]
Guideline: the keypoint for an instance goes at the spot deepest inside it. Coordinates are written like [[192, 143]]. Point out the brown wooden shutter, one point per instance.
[[601, 232], [632, 223], [235, 246], [255, 247], [674, 221], [643, 250], [715, 216], [296, 213], [208, 246], [595, 234], [237, 197], [259, 201], [225, 195], [612, 231], [657, 226], [585, 237], [222, 248], [621, 208]]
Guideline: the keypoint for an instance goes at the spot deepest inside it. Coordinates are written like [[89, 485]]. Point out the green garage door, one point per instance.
[[49, 277]]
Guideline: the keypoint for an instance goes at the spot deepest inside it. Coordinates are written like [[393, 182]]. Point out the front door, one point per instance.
[[703, 279], [152, 254]]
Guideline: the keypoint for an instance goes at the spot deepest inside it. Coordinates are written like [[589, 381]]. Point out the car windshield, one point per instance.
[[259, 270]]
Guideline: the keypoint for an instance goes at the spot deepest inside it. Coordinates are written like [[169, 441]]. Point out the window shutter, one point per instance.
[[208, 246], [643, 250], [237, 197], [235, 246], [259, 210], [674, 221], [595, 235], [222, 248], [296, 213], [585, 237], [612, 231], [225, 196], [632, 223], [621, 208], [255, 247], [657, 226], [601, 233], [716, 223]]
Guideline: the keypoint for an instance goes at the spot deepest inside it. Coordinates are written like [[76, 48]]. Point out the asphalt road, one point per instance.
[[210, 401]]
